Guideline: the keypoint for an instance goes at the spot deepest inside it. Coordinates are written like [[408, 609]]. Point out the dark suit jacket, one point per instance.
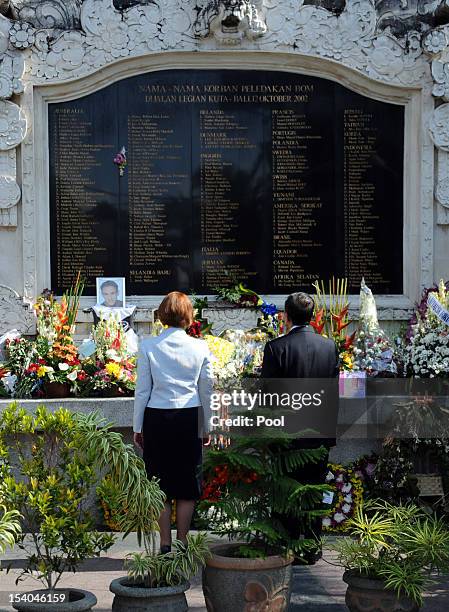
[[302, 353]]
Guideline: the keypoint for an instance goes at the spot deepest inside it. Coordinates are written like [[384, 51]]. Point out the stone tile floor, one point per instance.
[[317, 588]]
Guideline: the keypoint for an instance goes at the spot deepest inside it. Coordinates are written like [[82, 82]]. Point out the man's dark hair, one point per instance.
[[109, 283], [299, 308]]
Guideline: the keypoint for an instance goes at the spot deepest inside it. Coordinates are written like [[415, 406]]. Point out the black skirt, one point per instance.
[[173, 451]]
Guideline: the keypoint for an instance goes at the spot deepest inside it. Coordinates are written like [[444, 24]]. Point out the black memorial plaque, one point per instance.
[[271, 179]]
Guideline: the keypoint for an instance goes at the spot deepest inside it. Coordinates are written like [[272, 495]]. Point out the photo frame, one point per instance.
[[111, 292]]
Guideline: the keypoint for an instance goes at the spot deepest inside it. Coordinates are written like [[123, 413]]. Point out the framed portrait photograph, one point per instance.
[[111, 292]]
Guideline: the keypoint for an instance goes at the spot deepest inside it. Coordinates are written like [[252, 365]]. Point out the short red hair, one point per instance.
[[176, 310]]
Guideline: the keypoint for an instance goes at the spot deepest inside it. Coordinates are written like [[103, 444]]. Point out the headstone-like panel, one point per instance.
[[272, 179]]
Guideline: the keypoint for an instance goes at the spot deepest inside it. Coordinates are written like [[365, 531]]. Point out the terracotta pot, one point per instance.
[[129, 597], [367, 594], [55, 390], [240, 585], [76, 600]]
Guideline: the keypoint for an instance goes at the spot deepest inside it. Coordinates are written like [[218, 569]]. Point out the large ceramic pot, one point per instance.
[[366, 594], [75, 600], [129, 597], [234, 584]]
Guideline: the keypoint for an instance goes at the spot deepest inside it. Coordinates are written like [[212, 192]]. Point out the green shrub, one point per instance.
[[401, 545]]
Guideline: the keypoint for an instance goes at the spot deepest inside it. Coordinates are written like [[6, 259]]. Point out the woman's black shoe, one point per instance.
[[165, 550]]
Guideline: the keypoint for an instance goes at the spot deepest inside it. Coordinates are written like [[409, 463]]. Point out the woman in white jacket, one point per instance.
[[172, 411]]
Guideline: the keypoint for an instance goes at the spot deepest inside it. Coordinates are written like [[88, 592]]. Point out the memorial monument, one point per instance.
[[272, 142]]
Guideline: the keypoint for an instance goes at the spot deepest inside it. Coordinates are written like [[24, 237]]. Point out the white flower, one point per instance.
[[346, 508], [348, 499], [112, 354], [339, 517], [63, 366], [327, 522], [72, 376], [329, 476], [346, 488]]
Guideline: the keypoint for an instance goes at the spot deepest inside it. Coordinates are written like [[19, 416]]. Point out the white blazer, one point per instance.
[[174, 370]]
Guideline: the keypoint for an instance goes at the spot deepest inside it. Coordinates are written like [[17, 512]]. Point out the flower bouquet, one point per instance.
[[428, 349], [348, 494], [331, 318], [111, 370]]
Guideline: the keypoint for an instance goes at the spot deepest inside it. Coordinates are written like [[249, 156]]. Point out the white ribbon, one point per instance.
[[437, 308]]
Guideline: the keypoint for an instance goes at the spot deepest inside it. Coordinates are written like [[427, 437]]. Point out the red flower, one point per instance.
[[317, 323], [116, 344], [339, 319], [195, 329], [349, 341]]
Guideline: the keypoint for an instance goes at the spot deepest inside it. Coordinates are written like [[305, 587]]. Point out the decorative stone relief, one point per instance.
[[15, 313], [439, 127], [229, 21], [230, 318], [73, 38], [13, 125], [442, 187], [9, 189], [12, 131], [50, 14]]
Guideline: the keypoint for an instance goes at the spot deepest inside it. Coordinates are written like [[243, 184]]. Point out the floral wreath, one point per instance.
[[348, 495]]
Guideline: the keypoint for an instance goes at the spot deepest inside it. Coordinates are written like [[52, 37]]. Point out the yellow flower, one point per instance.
[[221, 349], [114, 369], [43, 370]]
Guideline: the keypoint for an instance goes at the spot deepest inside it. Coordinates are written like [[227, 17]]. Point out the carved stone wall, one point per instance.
[[46, 42], [15, 313]]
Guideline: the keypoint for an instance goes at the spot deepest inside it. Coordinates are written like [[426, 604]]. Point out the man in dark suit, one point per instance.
[[303, 353]]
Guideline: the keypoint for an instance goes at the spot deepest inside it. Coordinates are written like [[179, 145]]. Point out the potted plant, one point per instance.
[[247, 487], [154, 581], [159, 581], [49, 485], [9, 528], [389, 556]]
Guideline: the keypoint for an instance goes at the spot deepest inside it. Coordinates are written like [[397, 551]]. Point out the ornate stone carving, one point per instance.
[[8, 201], [108, 34], [13, 125], [439, 127], [9, 192], [50, 14], [230, 20], [230, 318], [402, 16], [15, 313], [22, 35], [123, 5], [442, 187]]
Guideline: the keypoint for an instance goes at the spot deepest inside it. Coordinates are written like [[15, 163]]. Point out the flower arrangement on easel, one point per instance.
[[331, 317]]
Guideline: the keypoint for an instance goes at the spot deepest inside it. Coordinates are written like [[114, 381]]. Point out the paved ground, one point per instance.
[[317, 588]]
